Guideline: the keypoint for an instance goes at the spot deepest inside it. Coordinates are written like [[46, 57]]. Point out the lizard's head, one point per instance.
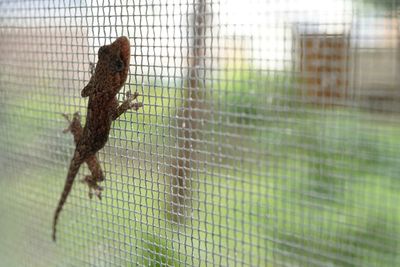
[[115, 57], [112, 67]]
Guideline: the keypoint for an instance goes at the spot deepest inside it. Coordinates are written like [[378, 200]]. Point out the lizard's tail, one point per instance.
[[76, 162]]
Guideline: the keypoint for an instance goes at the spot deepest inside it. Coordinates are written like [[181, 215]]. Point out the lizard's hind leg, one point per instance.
[[97, 176], [75, 127]]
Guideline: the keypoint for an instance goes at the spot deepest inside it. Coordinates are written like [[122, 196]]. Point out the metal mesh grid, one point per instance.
[[269, 136]]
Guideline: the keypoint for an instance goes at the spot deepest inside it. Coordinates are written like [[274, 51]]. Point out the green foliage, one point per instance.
[[342, 176], [384, 4], [321, 190], [158, 253], [247, 96]]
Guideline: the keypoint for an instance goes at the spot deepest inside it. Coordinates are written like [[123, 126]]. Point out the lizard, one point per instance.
[[109, 76]]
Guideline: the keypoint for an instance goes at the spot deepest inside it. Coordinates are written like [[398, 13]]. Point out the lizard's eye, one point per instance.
[[118, 65]]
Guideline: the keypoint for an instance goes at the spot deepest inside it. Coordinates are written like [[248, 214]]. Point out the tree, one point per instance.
[[384, 4]]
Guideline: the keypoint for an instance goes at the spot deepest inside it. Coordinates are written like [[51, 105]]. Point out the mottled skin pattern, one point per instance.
[[108, 78]]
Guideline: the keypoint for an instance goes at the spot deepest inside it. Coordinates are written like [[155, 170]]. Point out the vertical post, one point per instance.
[[188, 117]]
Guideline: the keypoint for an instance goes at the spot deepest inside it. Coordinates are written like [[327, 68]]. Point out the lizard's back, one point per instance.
[[98, 125]]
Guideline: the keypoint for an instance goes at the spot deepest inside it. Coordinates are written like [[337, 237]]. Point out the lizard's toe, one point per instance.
[[77, 116], [135, 106], [98, 194], [94, 188], [135, 95], [130, 96]]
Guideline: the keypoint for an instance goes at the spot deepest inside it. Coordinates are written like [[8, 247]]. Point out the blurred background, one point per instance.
[[269, 136]]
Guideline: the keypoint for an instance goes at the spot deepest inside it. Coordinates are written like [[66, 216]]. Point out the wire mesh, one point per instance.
[[269, 135]]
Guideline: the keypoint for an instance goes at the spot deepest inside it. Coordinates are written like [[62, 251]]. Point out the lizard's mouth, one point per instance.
[[124, 46]]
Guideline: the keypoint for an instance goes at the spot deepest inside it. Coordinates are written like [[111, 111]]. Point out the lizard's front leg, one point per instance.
[[127, 104]]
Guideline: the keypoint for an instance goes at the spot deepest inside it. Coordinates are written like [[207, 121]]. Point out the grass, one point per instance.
[[289, 184]]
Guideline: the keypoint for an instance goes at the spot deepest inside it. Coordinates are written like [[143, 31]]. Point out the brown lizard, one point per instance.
[[109, 76]]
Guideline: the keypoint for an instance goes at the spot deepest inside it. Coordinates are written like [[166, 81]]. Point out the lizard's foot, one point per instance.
[[66, 130], [75, 118], [130, 97], [66, 116], [94, 188]]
